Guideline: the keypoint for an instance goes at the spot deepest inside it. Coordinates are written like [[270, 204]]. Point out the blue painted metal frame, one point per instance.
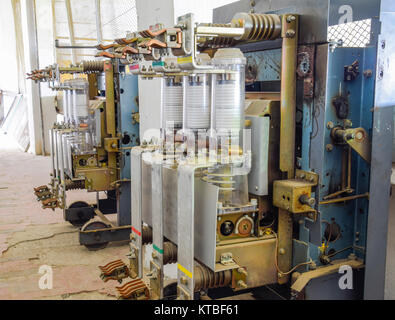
[[128, 104], [352, 215]]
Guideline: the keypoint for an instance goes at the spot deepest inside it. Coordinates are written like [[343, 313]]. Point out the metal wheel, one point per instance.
[[94, 225], [81, 221]]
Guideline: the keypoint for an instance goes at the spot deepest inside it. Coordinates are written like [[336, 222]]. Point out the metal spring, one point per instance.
[[221, 180], [218, 42], [92, 66]]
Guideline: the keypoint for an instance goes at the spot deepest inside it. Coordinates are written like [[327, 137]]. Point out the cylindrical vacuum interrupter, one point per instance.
[[80, 94], [197, 102], [229, 92], [172, 102]]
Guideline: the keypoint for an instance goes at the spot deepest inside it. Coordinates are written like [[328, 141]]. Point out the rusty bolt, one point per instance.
[[241, 284], [347, 123], [184, 280], [329, 147], [290, 33], [368, 73], [330, 125], [242, 271]]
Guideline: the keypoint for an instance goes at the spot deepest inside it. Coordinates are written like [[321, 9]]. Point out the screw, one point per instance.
[[291, 18], [241, 284], [281, 251], [359, 135], [329, 147], [330, 125], [290, 33], [242, 271], [184, 280]]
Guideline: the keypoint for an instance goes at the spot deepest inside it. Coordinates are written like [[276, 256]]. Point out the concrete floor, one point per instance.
[[31, 237]]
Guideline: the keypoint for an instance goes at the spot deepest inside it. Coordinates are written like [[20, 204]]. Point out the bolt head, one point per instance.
[[290, 33]]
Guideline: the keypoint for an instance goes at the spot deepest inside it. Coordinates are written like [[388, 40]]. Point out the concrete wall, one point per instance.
[[46, 54]]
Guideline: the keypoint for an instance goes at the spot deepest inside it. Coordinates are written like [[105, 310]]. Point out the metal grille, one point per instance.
[[355, 34], [117, 17]]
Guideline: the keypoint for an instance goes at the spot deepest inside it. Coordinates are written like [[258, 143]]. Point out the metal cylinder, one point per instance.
[[257, 26], [147, 235], [229, 91], [92, 66], [205, 278], [197, 102], [169, 252], [172, 103]]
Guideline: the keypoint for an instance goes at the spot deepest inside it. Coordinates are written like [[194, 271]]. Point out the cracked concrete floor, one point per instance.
[[31, 237]]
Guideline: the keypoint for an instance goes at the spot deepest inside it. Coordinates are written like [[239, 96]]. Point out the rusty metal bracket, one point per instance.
[[293, 195]]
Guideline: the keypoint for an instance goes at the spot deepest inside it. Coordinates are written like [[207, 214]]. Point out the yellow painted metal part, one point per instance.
[[289, 33], [303, 279], [257, 257], [287, 193], [288, 93]]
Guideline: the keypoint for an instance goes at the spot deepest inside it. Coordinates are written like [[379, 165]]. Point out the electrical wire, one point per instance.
[[338, 251], [294, 268]]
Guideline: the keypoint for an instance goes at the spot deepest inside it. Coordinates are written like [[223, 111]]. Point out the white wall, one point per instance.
[[46, 54], [9, 70], [202, 9]]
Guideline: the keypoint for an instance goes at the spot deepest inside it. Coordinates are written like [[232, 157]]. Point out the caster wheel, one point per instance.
[[81, 221], [94, 225]]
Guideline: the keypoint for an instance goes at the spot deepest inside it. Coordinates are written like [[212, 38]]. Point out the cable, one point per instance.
[[43, 238], [335, 253], [294, 268]]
